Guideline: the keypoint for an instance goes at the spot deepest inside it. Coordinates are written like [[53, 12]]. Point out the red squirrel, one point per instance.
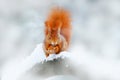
[[57, 31]]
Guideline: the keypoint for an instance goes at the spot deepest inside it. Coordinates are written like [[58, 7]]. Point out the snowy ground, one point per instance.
[[95, 44], [72, 65]]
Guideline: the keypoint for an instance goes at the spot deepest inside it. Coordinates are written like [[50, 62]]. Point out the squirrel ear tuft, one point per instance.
[[47, 24], [59, 26]]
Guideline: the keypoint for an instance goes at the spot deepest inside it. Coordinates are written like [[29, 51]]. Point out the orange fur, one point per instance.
[[57, 31]]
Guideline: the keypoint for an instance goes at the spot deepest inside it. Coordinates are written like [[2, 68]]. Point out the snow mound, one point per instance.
[[39, 55], [13, 70]]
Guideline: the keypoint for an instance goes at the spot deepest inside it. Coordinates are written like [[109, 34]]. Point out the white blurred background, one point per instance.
[[95, 23]]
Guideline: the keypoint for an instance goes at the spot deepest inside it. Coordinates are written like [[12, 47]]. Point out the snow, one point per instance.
[[37, 56], [96, 67]]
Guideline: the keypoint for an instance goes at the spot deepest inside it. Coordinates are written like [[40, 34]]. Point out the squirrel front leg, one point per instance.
[[48, 49], [45, 47]]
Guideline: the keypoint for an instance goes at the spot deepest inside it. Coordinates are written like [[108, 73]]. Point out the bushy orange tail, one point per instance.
[[57, 30]]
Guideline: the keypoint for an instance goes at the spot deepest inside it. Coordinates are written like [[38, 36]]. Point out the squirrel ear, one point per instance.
[[59, 27], [46, 23], [49, 30], [47, 27]]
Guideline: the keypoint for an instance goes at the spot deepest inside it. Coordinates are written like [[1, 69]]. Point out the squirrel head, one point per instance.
[[53, 33]]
